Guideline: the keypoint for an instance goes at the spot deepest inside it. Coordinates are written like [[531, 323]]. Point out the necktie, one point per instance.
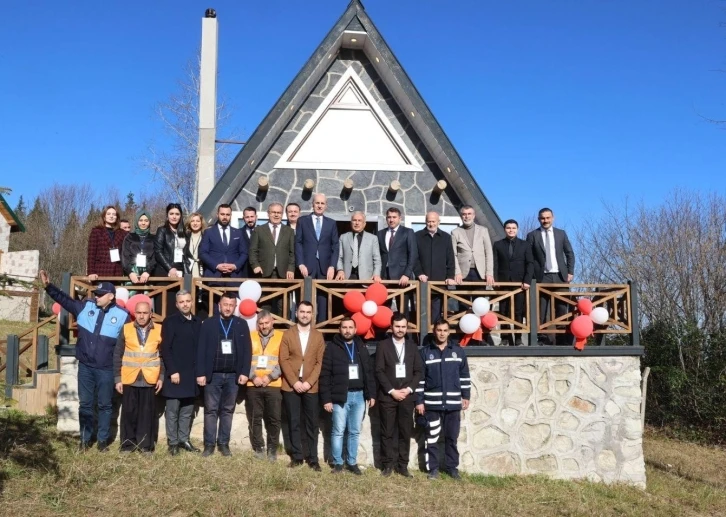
[[390, 241], [356, 251], [511, 249], [317, 227], [224, 237], [274, 233], [548, 255]]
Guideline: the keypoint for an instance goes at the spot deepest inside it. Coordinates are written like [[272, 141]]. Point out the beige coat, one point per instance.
[[480, 257], [291, 358]]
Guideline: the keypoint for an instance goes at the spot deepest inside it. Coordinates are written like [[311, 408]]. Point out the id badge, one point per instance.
[[401, 371], [178, 255], [140, 260], [353, 372], [262, 362], [115, 256], [226, 346]]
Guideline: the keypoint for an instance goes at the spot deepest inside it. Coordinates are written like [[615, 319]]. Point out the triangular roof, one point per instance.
[[355, 20], [16, 225]]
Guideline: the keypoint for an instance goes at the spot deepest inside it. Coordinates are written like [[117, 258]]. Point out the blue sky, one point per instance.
[[549, 102]]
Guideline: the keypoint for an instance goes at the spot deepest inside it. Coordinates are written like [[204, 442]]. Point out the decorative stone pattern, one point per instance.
[[370, 192], [23, 265], [4, 236], [519, 421]]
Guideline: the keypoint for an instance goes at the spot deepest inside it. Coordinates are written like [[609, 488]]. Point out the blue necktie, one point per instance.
[[317, 227], [224, 237]]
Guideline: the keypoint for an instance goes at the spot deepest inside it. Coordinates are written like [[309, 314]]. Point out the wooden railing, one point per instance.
[[335, 290], [28, 345]]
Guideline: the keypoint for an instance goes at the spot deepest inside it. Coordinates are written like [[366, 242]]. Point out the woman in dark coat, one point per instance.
[[137, 253], [104, 247], [179, 336], [169, 244]]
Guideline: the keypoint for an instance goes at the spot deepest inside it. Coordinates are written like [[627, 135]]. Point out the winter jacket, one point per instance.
[[165, 242], [446, 378], [334, 374], [98, 260], [132, 246]]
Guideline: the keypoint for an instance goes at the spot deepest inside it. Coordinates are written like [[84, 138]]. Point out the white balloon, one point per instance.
[[599, 315], [369, 308], [251, 322], [480, 306], [469, 323], [122, 294], [236, 309], [250, 289]]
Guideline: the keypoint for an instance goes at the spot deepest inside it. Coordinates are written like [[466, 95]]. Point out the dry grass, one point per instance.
[[42, 474]]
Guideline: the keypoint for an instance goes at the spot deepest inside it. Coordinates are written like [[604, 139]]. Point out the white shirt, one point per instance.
[[551, 253], [304, 336], [222, 231], [272, 231], [388, 235], [399, 349]]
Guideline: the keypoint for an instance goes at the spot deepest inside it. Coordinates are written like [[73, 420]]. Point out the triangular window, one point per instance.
[[348, 131]]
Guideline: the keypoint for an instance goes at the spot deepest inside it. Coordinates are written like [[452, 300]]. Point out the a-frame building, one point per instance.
[[352, 113]]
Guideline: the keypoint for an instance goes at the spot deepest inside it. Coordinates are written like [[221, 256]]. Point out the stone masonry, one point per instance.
[[566, 417]]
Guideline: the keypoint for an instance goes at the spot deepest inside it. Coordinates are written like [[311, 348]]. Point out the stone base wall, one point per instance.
[[24, 266], [566, 417]]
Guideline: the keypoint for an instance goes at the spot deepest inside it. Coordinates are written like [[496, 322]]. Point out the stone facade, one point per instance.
[[566, 417], [370, 192], [23, 265]]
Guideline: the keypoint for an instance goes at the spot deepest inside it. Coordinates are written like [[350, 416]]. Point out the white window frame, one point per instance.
[[410, 220]]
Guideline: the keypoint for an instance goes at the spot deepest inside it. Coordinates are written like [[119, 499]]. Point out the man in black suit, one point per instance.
[[224, 359], [249, 216], [554, 263], [513, 262], [435, 259], [399, 370], [399, 253], [316, 248]]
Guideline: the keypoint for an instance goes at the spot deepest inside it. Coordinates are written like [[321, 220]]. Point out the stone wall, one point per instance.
[[23, 265], [370, 192], [4, 236], [567, 417]]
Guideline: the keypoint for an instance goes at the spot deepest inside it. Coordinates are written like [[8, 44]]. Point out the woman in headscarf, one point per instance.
[[137, 256], [104, 246]]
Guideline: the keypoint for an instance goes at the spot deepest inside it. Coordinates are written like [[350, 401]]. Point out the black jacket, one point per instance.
[[519, 268], [164, 244], [435, 255], [209, 337], [386, 360], [179, 340], [563, 252], [131, 247], [334, 372]]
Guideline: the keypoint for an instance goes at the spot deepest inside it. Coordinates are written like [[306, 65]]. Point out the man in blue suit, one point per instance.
[[223, 250], [317, 248]]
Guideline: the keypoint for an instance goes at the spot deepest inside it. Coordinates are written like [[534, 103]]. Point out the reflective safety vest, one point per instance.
[[271, 352], [141, 359]]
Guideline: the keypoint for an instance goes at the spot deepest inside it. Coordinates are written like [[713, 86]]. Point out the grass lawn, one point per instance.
[[41, 473]]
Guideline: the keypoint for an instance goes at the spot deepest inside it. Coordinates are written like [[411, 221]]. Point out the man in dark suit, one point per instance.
[[224, 359], [223, 250], [399, 252], [554, 263], [249, 216], [435, 259], [272, 251], [399, 370], [317, 247], [513, 262]]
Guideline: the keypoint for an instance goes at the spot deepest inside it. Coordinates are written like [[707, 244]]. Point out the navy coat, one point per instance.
[[307, 246], [179, 340], [213, 252], [210, 336]]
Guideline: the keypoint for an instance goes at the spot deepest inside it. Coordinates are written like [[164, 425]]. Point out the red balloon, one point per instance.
[[377, 293], [489, 320], [56, 308], [582, 327], [353, 301], [121, 303], [362, 323], [382, 318], [131, 302], [247, 308], [584, 305]]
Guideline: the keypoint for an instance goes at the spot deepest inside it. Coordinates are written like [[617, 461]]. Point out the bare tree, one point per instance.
[[173, 164], [676, 252]]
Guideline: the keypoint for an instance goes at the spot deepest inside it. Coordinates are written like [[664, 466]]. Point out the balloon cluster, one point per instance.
[[250, 292], [129, 302], [583, 325], [471, 324], [368, 310]]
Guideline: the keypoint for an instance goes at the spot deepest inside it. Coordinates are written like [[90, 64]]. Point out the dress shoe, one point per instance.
[[174, 450], [337, 469], [84, 446], [354, 469], [404, 472], [208, 451], [102, 446], [260, 455], [147, 452], [272, 456], [434, 474], [315, 466], [187, 446], [519, 342], [387, 472], [454, 474], [295, 463], [224, 450]]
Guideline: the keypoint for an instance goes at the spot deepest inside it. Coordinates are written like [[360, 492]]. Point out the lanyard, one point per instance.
[[402, 354], [142, 240], [351, 352], [226, 331]]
